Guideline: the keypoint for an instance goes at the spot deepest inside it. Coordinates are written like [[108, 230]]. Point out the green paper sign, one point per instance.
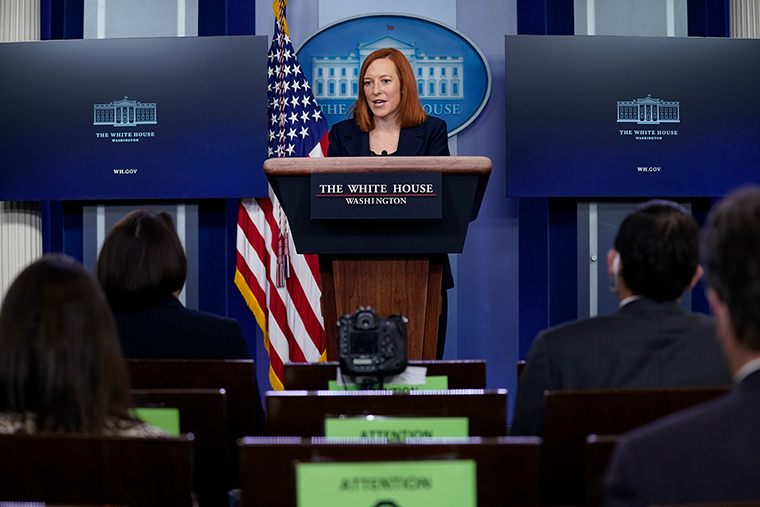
[[434, 383], [165, 418], [396, 429], [444, 483]]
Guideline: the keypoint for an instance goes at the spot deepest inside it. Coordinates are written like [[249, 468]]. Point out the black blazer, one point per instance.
[[168, 330], [429, 138], [645, 344], [704, 454]]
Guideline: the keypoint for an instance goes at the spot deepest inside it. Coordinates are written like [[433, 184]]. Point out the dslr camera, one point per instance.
[[370, 345]]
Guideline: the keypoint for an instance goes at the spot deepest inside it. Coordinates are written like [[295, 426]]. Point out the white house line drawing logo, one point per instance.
[[439, 55], [124, 113], [438, 77], [648, 111]]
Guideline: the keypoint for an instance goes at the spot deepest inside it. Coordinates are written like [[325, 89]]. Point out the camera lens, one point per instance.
[[365, 320]]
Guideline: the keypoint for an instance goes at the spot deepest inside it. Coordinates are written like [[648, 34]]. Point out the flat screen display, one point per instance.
[[142, 118], [599, 116]]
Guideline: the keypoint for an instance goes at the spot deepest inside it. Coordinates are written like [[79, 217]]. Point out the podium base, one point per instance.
[[406, 284]]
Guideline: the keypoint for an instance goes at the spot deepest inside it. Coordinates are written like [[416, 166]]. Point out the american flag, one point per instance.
[[281, 286]]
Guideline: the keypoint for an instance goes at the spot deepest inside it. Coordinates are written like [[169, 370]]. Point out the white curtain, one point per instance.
[[20, 222], [19, 20], [745, 15]]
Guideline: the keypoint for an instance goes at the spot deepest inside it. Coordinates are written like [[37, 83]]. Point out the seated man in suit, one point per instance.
[[651, 341], [709, 453]]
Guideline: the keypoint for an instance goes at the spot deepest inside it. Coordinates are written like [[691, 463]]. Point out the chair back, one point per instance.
[[303, 413], [507, 467], [202, 412], [597, 457], [245, 414], [70, 468], [462, 373], [573, 415]]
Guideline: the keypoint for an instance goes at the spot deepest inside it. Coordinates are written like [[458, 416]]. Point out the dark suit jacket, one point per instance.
[[168, 330], [645, 344], [430, 138], [708, 453]]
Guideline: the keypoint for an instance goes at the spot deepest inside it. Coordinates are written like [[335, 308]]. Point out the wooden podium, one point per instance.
[[392, 265]]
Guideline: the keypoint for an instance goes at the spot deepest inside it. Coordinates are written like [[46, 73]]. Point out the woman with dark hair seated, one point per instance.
[[142, 268], [61, 368]]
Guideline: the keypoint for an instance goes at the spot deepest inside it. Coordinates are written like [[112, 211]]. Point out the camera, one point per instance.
[[370, 345]]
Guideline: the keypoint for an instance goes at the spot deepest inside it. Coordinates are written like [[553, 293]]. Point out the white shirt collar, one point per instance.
[[629, 299], [749, 367]]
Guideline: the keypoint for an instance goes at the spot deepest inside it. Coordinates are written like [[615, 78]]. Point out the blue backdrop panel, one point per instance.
[[708, 18], [213, 18], [543, 17], [695, 133], [194, 123]]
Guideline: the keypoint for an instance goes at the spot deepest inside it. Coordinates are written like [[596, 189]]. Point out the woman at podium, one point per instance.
[[388, 119]]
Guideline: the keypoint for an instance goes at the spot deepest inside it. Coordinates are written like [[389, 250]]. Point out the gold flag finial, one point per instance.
[[279, 15]]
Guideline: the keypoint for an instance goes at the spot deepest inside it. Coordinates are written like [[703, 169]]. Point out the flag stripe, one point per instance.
[[289, 322], [281, 337], [307, 274], [305, 321], [274, 360]]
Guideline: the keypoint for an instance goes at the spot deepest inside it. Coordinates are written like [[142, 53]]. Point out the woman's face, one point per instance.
[[382, 88]]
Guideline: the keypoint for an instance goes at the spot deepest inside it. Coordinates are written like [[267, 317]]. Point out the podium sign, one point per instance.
[[375, 195]]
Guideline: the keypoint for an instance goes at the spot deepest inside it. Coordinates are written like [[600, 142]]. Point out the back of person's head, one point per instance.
[[410, 112], [60, 358], [658, 245], [731, 252], [141, 260]]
